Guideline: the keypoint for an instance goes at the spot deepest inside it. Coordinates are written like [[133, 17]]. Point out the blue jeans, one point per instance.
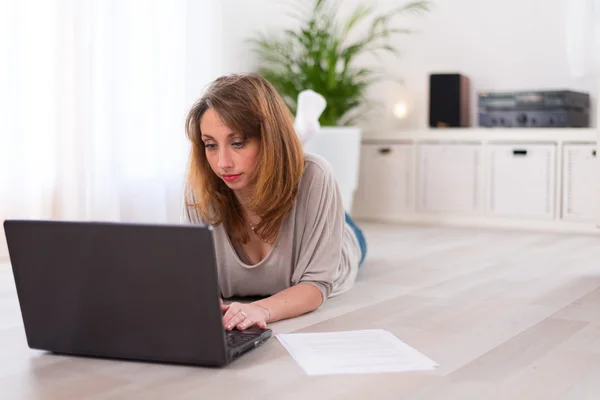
[[360, 236]]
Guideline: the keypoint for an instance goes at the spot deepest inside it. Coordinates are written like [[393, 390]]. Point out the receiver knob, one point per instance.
[[522, 119]]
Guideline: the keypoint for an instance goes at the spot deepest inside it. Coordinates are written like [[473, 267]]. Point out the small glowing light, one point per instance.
[[400, 110]]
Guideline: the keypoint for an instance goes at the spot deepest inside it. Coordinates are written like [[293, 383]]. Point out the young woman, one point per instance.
[[280, 229]]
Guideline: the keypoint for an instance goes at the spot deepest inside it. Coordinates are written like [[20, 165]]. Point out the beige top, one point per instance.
[[315, 245]]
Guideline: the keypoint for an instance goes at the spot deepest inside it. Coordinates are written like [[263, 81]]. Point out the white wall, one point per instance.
[[498, 44]]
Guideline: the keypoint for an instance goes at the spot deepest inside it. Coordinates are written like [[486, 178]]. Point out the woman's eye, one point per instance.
[[210, 146], [238, 145]]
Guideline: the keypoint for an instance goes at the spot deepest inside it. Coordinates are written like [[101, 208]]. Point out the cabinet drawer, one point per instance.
[[449, 178], [522, 180], [385, 181], [580, 171]]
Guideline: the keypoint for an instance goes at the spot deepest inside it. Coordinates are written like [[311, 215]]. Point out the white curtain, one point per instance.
[[92, 109]]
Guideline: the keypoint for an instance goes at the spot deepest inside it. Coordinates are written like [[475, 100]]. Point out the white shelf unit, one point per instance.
[[531, 178]]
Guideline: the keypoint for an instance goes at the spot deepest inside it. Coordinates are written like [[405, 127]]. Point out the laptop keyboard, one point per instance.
[[236, 338]]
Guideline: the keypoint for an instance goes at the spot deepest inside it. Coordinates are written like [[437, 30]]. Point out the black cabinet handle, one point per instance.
[[519, 152], [385, 150]]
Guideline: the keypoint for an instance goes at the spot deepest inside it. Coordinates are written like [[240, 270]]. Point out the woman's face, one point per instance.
[[230, 156]]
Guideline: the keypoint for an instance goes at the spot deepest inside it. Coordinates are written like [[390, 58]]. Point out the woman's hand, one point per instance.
[[243, 316], [224, 307]]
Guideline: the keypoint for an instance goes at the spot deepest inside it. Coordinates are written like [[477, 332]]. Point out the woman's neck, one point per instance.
[[244, 199]]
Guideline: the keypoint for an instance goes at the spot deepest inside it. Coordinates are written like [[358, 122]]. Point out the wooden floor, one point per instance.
[[507, 315]]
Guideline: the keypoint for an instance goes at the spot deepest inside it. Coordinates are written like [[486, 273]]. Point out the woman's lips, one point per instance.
[[231, 178]]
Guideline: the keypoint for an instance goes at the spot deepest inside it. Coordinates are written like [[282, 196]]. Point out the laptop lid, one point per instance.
[[118, 290]]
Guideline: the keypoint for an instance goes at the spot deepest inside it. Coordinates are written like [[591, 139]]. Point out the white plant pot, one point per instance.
[[340, 146]]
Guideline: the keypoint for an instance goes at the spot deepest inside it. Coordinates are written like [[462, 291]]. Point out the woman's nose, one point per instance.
[[225, 161]]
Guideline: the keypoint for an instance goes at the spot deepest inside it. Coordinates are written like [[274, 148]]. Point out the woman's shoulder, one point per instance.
[[317, 167], [318, 180]]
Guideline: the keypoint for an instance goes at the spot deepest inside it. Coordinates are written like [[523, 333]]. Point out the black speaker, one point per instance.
[[448, 100]]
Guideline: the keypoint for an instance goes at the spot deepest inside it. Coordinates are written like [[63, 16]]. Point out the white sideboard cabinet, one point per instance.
[[534, 178]]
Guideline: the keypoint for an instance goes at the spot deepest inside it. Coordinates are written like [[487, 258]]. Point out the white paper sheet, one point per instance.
[[353, 352]]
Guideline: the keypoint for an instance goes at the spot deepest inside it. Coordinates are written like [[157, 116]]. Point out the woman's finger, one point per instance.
[[237, 318], [229, 315], [232, 310], [245, 324], [261, 324]]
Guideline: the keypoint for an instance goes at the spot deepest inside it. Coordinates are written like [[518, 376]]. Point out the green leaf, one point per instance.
[[319, 56], [360, 13]]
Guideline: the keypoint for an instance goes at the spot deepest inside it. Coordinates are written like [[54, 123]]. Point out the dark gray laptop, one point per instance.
[[121, 290]]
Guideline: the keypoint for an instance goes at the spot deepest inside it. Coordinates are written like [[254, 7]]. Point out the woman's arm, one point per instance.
[[320, 226], [291, 302]]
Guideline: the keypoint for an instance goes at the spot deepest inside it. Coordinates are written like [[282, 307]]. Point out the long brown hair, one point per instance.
[[249, 105]]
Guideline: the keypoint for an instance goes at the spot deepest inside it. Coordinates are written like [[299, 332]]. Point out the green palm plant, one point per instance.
[[319, 55]]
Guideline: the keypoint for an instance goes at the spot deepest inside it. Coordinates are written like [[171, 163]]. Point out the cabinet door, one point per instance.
[[579, 195], [522, 180], [385, 181], [449, 178]]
